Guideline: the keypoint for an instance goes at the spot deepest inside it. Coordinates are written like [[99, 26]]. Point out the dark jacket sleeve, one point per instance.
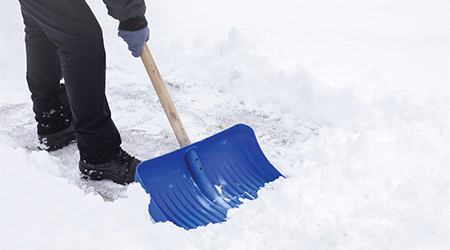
[[130, 13]]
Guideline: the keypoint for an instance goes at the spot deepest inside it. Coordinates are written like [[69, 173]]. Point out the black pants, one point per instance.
[[64, 40]]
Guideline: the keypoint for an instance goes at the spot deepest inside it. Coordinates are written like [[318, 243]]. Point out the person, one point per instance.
[[64, 40]]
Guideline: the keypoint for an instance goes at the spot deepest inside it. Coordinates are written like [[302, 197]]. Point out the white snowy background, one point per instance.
[[349, 99]]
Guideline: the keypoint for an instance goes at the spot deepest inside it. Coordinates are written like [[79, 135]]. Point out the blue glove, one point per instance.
[[135, 39]]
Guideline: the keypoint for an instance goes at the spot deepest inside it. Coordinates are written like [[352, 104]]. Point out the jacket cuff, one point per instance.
[[132, 24]]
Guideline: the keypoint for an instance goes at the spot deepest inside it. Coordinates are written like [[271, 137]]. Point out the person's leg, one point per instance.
[[72, 27], [50, 104]]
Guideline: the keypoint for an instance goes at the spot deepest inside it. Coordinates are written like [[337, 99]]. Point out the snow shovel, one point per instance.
[[197, 184]]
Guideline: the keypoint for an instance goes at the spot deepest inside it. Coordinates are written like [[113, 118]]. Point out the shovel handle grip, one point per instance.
[[164, 97]]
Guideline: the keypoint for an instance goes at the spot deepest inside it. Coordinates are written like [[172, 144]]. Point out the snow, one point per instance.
[[349, 99]]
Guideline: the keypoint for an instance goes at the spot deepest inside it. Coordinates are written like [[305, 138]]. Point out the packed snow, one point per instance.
[[349, 99]]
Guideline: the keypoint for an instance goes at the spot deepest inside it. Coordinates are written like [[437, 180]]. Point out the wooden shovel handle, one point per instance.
[[164, 97]]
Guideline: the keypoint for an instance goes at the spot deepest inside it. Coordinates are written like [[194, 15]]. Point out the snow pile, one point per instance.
[[354, 114]]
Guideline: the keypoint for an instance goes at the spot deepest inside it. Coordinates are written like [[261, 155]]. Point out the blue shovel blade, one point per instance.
[[197, 184]]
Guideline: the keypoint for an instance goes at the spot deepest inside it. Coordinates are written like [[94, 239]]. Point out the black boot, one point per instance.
[[121, 169], [57, 140]]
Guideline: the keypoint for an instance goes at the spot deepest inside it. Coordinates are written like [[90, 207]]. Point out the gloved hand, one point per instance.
[[135, 39]]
